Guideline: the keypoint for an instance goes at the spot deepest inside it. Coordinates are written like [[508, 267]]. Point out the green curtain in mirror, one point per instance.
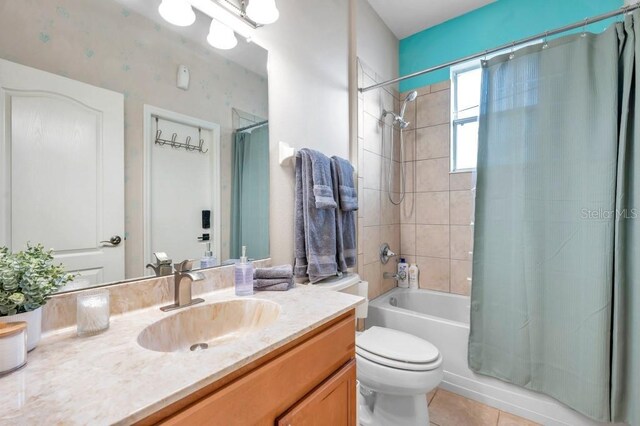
[[250, 193], [556, 247]]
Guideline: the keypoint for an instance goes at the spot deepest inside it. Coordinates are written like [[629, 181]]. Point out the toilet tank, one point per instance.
[[349, 283]]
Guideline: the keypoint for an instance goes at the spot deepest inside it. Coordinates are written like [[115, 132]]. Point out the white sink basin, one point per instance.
[[207, 326]]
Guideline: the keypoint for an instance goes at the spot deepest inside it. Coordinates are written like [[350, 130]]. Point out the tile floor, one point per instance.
[[449, 409]]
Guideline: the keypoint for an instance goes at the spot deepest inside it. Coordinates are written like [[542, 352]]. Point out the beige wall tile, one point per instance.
[[360, 236], [447, 408], [442, 85], [460, 181], [360, 265], [372, 134], [432, 208], [371, 207], [390, 211], [461, 242], [432, 175], [360, 117], [371, 243], [424, 90], [390, 234], [388, 144], [372, 99], [372, 172], [461, 205], [387, 99], [433, 109], [360, 164], [460, 277], [395, 175], [408, 239], [411, 176], [409, 137], [432, 142], [373, 276], [408, 209], [432, 241], [434, 273], [360, 197], [392, 267]]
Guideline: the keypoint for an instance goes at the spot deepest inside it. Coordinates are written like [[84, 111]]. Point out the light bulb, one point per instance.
[[263, 11], [177, 12], [220, 36]]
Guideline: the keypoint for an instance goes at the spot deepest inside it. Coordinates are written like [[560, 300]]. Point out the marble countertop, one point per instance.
[[109, 379]]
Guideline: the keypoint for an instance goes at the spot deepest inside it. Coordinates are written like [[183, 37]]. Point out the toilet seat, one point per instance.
[[398, 350]]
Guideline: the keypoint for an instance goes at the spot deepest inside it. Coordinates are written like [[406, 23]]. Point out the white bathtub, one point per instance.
[[443, 319]]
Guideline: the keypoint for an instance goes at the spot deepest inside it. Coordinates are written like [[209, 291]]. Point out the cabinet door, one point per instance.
[[331, 403]]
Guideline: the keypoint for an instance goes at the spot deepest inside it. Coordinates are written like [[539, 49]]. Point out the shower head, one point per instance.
[[410, 98]]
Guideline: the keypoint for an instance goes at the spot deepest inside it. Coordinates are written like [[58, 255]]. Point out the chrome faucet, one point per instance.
[[183, 277], [162, 266], [397, 276]]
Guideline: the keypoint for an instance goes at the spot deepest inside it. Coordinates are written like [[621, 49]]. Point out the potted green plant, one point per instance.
[[27, 279]]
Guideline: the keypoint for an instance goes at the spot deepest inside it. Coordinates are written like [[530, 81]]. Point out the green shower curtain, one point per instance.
[[555, 303], [250, 193]]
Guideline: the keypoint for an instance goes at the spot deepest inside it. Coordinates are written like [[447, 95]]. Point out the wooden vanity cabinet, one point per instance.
[[309, 381]]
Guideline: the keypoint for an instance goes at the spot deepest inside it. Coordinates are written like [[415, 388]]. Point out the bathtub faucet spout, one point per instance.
[[402, 275]]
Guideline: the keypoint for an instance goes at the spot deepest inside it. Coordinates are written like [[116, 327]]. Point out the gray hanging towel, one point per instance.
[[346, 249], [315, 227], [348, 196]]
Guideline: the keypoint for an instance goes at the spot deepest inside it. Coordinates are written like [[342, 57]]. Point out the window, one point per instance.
[[466, 79], [465, 107]]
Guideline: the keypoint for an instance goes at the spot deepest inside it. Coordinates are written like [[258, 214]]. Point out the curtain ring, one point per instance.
[[545, 43], [512, 54], [584, 27], [483, 62]]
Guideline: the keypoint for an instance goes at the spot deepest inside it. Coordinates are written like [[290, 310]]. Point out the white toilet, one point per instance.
[[395, 369]]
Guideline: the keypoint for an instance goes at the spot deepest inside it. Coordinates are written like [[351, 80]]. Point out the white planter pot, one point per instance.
[[34, 325]]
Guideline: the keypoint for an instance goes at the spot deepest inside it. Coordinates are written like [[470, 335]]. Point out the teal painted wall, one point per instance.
[[490, 26]]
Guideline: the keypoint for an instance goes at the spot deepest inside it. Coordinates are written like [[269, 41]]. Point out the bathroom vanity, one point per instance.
[[310, 380], [290, 361]]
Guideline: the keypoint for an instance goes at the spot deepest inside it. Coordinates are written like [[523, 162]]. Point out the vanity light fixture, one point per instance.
[[177, 12], [263, 11], [220, 36]]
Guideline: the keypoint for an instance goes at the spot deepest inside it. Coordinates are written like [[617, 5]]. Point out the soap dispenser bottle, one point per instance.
[[244, 275], [209, 259]]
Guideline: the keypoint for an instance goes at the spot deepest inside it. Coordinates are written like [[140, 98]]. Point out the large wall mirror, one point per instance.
[[126, 141]]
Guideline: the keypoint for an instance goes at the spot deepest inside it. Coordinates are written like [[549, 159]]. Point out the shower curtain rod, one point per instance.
[[252, 126], [545, 34]]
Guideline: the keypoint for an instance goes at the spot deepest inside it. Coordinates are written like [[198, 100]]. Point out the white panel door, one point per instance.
[[62, 181], [182, 185]]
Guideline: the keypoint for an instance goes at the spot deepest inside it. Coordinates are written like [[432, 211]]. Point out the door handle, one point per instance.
[[114, 241]]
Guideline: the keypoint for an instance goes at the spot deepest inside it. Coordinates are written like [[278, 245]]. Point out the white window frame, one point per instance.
[[454, 71]]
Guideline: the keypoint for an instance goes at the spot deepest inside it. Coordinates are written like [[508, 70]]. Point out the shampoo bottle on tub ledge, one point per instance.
[[403, 273], [414, 276]]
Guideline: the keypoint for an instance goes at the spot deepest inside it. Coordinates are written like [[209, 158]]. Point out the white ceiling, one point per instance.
[[407, 17]]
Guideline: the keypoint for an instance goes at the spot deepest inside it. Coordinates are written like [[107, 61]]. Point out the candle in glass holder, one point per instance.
[[93, 312]]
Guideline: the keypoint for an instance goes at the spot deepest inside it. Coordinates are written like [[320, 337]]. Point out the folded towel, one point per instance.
[[346, 248], [266, 282], [276, 287], [281, 271], [322, 182], [348, 196], [315, 226]]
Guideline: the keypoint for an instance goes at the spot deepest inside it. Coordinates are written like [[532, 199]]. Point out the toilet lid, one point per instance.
[[394, 345]]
